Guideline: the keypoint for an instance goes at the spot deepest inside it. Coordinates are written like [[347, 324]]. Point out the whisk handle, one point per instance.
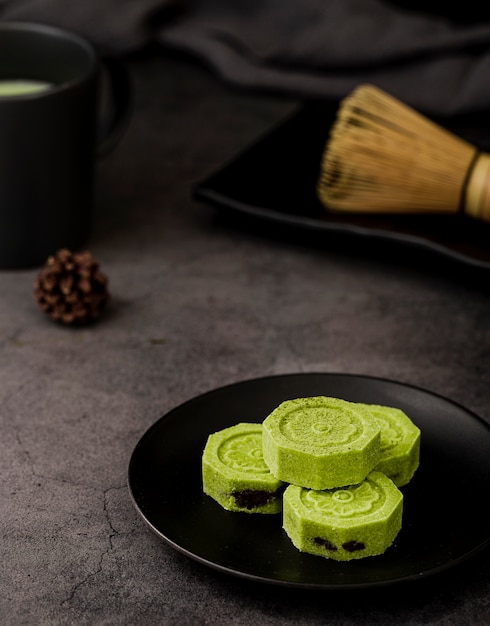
[[478, 190]]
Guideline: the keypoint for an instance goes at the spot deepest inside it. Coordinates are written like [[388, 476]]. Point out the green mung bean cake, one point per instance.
[[347, 523], [400, 444], [320, 442], [234, 472]]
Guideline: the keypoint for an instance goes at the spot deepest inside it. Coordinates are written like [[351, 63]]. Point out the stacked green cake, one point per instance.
[[334, 468], [234, 472]]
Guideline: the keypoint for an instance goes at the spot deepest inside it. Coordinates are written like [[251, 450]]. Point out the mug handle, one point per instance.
[[119, 105]]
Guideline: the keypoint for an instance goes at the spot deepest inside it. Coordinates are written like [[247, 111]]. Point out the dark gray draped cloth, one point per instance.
[[304, 48]]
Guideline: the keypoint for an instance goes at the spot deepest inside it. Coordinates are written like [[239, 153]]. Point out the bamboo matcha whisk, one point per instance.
[[384, 157]]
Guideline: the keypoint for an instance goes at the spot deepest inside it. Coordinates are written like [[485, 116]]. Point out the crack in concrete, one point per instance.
[[43, 477], [67, 601], [25, 452], [113, 532]]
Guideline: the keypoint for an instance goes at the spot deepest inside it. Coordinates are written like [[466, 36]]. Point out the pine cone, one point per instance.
[[71, 289]]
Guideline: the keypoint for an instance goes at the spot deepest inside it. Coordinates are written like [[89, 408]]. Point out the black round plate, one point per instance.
[[445, 513]]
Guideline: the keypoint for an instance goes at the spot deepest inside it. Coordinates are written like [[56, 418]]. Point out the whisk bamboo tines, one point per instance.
[[384, 157]]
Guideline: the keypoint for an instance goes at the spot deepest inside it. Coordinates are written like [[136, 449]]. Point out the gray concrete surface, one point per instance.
[[198, 302]]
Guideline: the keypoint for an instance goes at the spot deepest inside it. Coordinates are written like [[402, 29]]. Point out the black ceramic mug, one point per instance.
[[50, 120]]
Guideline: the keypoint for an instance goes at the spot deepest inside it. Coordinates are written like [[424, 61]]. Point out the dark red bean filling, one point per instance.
[[325, 543], [251, 498], [353, 546], [350, 546]]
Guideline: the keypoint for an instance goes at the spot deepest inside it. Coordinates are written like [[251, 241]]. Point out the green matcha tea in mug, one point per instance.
[[22, 87], [54, 125]]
